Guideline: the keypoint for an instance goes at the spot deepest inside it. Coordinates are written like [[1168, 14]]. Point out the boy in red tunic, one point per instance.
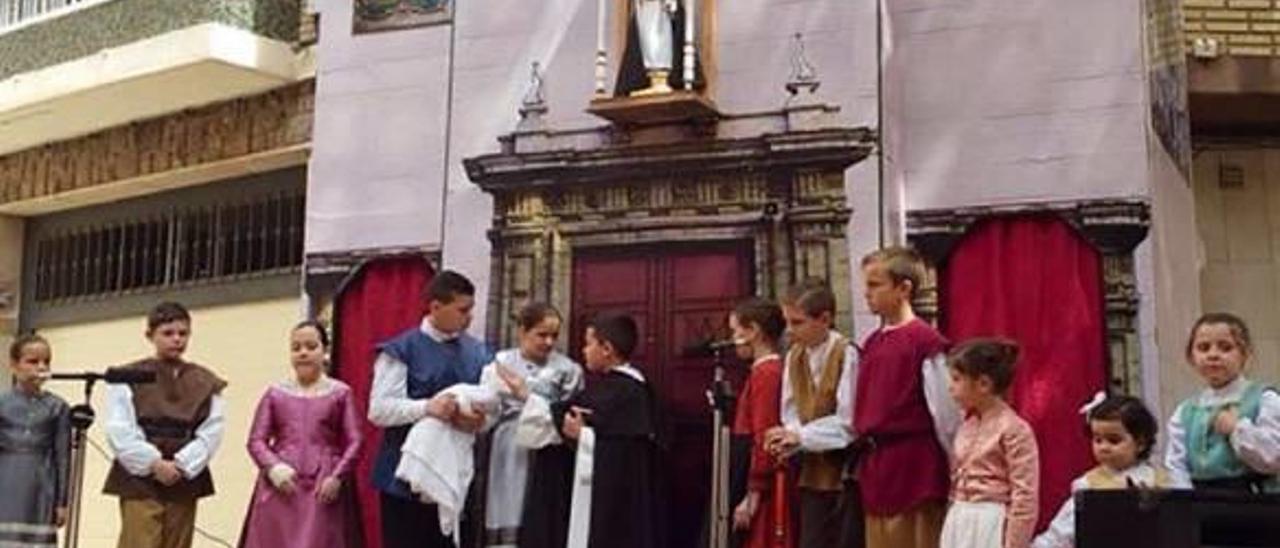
[[903, 418]]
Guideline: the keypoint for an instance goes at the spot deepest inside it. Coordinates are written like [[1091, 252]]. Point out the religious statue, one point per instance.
[[656, 34]]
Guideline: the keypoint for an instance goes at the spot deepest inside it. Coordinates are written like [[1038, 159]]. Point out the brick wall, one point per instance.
[[1240, 27]]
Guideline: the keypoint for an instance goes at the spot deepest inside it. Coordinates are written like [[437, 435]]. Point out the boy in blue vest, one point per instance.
[[411, 369]]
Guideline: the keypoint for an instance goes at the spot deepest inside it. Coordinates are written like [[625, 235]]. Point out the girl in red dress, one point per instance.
[[757, 324]]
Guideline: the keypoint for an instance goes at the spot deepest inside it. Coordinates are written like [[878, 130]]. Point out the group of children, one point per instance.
[[902, 441], [571, 465], [907, 441], [163, 434]]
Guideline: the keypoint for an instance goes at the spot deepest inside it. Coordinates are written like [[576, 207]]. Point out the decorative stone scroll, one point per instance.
[[274, 120], [783, 192]]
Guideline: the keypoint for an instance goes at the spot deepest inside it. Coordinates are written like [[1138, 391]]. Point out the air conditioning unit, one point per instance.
[[1204, 47]]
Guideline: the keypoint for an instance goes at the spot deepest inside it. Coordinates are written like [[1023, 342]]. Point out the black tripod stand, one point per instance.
[[82, 416], [721, 397]]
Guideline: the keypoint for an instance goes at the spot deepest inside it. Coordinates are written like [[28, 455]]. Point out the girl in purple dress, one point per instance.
[[305, 437]]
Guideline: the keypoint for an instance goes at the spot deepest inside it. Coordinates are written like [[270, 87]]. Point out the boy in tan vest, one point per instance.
[[817, 417], [163, 435]]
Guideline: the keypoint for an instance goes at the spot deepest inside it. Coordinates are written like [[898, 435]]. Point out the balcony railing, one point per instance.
[[15, 13], [50, 32]]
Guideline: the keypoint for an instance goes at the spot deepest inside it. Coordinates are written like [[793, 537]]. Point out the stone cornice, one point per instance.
[[822, 148], [1115, 225]]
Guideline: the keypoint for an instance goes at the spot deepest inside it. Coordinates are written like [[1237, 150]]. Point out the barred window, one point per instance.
[[180, 247]]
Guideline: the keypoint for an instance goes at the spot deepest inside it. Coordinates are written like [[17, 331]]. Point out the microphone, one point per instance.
[[113, 375], [708, 348]]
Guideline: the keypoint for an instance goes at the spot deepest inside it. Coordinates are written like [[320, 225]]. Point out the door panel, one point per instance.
[[679, 295]]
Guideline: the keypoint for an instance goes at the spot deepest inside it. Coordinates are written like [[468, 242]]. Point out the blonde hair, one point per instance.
[[903, 264]]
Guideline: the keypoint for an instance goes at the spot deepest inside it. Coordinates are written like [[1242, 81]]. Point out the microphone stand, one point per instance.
[[721, 399], [82, 416]]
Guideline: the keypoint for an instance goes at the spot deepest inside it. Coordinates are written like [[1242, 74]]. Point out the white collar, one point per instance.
[[1231, 393], [822, 348], [436, 335], [629, 371], [515, 358]]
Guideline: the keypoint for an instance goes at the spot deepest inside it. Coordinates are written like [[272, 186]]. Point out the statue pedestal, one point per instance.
[[678, 106]]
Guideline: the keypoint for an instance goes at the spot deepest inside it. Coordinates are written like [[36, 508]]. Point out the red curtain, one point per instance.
[[1035, 280], [380, 301]]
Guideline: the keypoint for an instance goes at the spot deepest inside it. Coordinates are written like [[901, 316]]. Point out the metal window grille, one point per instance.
[[193, 245], [13, 12]]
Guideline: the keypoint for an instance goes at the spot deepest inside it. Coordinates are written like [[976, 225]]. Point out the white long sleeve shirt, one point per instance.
[[389, 402], [833, 431], [1256, 442], [136, 454], [836, 431]]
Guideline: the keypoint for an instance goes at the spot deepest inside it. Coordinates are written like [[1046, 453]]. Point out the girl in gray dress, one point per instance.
[[35, 439]]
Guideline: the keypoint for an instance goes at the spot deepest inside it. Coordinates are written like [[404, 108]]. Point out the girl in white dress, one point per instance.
[[1124, 433]]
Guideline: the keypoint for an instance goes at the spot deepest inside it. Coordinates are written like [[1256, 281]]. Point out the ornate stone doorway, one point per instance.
[[672, 223]]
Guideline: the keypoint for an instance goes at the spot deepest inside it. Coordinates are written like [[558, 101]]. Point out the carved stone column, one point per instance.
[[934, 234], [817, 221], [1116, 229], [1113, 227]]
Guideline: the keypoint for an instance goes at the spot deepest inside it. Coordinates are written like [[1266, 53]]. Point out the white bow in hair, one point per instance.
[[1096, 401]]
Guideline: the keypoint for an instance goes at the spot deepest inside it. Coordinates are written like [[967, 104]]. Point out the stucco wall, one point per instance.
[[1239, 229], [376, 175], [1175, 265], [1004, 103]]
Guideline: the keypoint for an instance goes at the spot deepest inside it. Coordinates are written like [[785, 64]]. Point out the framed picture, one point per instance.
[[380, 15]]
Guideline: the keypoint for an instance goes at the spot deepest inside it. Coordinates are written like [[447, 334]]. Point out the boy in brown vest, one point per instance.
[[817, 416], [163, 435]]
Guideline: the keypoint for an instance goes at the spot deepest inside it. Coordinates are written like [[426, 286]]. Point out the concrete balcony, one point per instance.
[[85, 66], [1233, 66]]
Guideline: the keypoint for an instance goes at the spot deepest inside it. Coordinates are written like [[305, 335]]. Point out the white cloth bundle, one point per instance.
[[436, 459]]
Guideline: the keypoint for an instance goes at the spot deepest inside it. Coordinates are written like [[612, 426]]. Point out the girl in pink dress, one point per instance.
[[305, 437], [995, 474]]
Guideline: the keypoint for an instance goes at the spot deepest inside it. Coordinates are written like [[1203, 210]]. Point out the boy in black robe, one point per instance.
[[618, 408]]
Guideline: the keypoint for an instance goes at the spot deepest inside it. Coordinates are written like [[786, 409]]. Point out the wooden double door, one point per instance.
[[679, 295]]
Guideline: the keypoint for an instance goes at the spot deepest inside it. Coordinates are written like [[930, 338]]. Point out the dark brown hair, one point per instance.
[[1134, 416], [316, 325], [167, 312], [902, 264], [19, 344], [813, 296], [533, 313], [446, 286], [987, 357], [1239, 331], [619, 330], [764, 314]]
